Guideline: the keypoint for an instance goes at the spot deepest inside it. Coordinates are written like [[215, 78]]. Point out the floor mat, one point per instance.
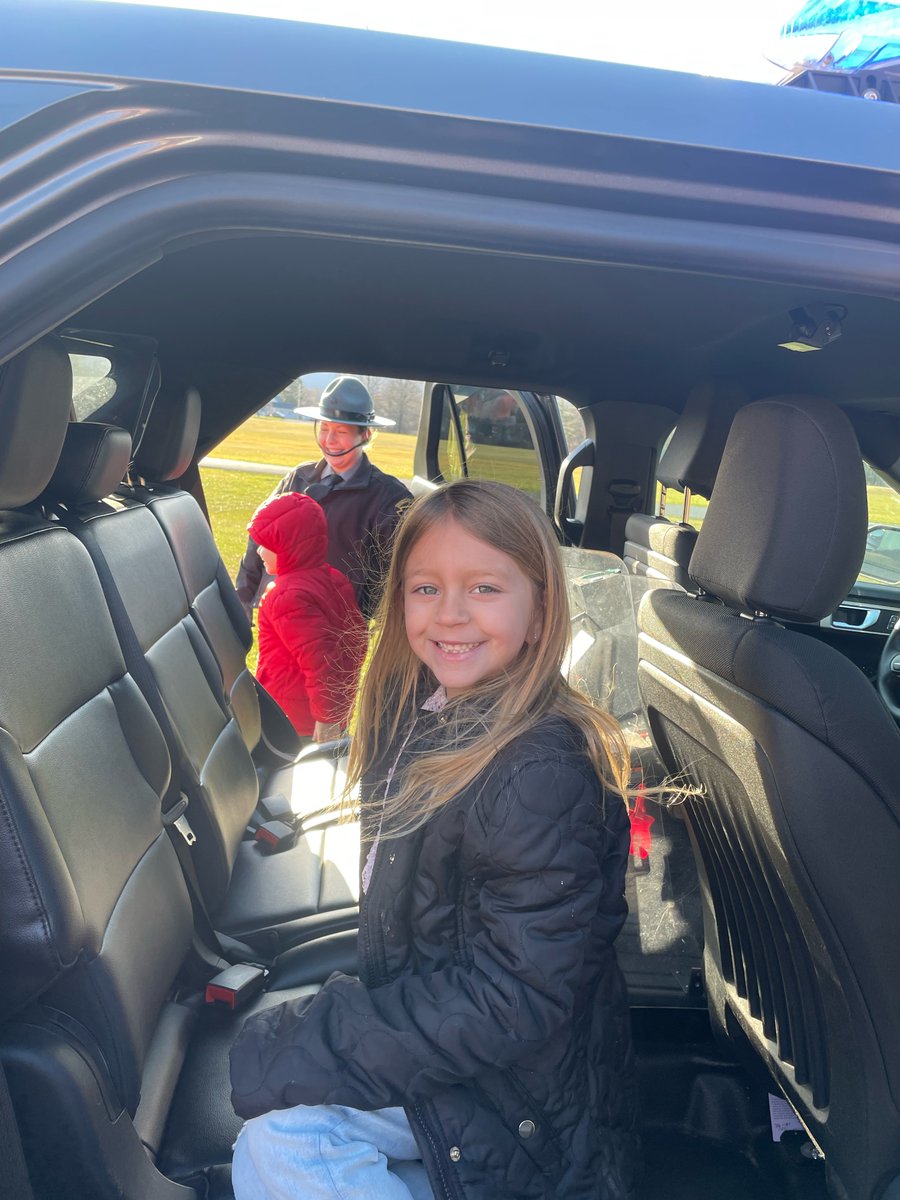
[[682, 1168], [660, 948]]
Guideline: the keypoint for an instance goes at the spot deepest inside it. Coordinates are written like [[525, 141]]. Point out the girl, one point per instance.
[[483, 1054]]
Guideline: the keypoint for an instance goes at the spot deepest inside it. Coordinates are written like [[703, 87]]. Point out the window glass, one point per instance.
[[572, 423], [574, 433], [882, 559], [496, 439], [675, 506], [450, 457], [92, 384]]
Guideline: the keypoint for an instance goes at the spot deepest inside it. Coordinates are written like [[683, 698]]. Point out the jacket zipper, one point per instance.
[[375, 974], [435, 1150]]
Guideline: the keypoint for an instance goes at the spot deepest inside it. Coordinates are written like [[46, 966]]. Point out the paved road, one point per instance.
[[235, 464]]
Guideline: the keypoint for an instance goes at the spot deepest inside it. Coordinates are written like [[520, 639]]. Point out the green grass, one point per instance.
[[286, 443], [232, 497], [884, 506]]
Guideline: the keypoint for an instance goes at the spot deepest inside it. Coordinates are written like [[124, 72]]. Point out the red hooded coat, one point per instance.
[[312, 636]]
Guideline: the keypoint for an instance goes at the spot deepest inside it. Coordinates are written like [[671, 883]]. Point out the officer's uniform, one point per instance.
[[362, 514], [362, 506]]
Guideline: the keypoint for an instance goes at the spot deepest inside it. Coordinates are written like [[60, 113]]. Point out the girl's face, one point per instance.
[[269, 559], [469, 608]]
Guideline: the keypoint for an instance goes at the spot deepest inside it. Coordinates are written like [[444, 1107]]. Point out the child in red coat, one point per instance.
[[312, 636]]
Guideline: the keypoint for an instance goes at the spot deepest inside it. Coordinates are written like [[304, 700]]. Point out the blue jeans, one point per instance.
[[329, 1152]]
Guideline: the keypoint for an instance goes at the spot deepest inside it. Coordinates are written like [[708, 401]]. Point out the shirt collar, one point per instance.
[[349, 476], [436, 701]]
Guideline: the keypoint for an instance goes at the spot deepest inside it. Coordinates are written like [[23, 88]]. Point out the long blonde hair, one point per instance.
[[492, 714]]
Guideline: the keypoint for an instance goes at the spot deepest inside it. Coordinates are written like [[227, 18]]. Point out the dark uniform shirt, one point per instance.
[[362, 513]]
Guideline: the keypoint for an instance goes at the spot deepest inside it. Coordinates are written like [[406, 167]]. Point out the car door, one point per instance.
[[513, 437]]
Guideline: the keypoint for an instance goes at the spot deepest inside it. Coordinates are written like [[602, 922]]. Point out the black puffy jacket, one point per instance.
[[490, 1004]]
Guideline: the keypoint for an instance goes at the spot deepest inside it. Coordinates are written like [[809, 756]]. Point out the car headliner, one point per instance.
[[609, 233]]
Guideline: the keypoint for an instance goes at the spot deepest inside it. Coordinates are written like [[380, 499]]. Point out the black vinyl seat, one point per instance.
[[115, 1066], [659, 550], [312, 779], [796, 826], [268, 901]]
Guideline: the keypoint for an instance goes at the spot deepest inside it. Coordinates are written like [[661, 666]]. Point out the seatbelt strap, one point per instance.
[[625, 495], [182, 838], [14, 1181], [175, 803]]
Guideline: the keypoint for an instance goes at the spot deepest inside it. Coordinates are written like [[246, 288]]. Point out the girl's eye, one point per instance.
[[425, 589], [485, 589]]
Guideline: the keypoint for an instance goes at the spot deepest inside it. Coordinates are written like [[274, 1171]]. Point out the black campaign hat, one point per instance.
[[347, 402]]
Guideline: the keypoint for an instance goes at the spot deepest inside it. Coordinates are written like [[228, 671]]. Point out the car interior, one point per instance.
[[733, 604]]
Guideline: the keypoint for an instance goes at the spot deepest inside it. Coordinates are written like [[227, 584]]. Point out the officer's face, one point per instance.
[[342, 445]]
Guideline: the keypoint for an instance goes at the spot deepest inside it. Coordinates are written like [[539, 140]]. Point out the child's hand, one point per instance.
[[326, 733]]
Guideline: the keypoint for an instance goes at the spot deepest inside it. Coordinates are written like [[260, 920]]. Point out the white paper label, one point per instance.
[[782, 1116]]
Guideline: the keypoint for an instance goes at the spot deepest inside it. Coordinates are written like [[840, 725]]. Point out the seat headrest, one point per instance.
[[35, 398], [785, 531], [92, 464], [692, 457], [169, 440]]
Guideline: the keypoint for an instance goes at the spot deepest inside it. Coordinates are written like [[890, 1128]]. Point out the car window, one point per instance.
[[675, 506], [92, 384], [572, 423], [881, 563], [574, 433], [485, 435]]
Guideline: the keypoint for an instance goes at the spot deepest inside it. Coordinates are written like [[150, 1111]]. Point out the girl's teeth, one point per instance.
[[457, 649]]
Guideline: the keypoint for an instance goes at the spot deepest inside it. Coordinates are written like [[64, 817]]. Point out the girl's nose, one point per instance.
[[452, 609]]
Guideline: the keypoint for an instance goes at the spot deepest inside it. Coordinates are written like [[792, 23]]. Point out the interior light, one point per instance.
[[814, 327]]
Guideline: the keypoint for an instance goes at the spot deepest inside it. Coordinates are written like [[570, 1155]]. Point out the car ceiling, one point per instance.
[[239, 318]]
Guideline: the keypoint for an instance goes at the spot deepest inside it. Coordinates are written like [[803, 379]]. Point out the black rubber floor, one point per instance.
[[705, 1121], [660, 949]]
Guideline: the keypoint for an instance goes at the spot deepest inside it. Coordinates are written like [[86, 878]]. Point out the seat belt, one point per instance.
[[625, 495], [217, 951], [175, 802], [14, 1181]]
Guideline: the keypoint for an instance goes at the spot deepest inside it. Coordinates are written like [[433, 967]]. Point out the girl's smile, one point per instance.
[[469, 608]]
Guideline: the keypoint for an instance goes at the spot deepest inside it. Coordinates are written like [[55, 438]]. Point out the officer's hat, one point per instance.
[[347, 402]]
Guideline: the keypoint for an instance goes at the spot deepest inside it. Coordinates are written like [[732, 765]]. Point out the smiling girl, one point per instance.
[[483, 1052]]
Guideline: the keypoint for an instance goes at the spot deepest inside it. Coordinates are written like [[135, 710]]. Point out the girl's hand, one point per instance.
[[326, 733]]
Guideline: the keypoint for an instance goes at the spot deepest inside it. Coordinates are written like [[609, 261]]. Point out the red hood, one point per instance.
[[294, 527]]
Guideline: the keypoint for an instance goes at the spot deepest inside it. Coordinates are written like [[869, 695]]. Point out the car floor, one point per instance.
[[705, 1125], [660, 948]]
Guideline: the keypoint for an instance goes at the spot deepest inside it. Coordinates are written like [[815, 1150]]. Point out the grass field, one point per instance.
[[232, 497], [286, 443]]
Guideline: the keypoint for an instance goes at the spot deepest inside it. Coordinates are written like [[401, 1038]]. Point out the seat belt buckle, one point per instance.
[[276, 808], [176, 816], [183, 825], [274, 836], [235, 986]]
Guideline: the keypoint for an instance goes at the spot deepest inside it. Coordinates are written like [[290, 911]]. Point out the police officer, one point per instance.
[[362, 505]]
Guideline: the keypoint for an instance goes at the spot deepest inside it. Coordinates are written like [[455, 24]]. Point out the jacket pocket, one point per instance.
[[528, 1124]]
